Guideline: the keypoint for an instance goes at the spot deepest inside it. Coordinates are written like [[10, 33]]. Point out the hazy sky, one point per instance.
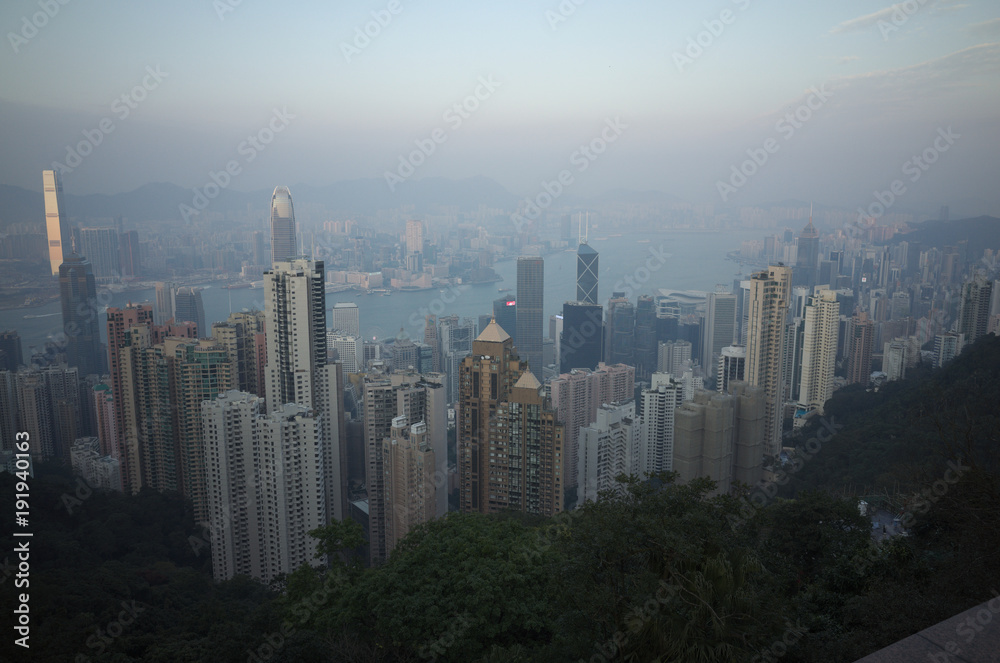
[[890, 76]]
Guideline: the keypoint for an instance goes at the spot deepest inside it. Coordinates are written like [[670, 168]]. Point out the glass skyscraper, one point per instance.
[[283, 244]]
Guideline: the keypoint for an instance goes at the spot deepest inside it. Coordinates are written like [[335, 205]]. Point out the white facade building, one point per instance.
[[266, 489], [607, 448]]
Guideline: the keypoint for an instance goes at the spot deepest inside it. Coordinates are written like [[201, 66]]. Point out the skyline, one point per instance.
[[877, 86]]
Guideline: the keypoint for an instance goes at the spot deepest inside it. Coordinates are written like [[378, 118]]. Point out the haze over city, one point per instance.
[[894, 76], [540, 331]]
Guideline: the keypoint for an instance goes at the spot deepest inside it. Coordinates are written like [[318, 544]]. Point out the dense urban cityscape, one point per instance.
[[326, 406]]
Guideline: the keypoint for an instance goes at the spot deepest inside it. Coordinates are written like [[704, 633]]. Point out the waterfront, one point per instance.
[[691, 261]]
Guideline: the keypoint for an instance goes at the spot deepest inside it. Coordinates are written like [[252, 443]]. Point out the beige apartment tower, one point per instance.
[[510, 445], [410, 493], [768, 301]]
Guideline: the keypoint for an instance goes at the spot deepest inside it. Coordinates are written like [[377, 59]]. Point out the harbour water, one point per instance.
[[637, 263]]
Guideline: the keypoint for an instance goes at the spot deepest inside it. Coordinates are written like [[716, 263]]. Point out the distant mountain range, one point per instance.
[[162, 201], [982, 232]]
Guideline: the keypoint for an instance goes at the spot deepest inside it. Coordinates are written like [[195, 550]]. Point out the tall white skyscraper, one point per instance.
[[414, 245], [819, 350], [297, 370], [348, 350], [283, 242], [164, 309], [265, 490], [56, 223], [345, 318], [768, 307], [656, 436], [608, 447]]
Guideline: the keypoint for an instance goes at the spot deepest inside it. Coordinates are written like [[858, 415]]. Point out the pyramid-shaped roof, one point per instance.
[[527, 381], [493, 333]]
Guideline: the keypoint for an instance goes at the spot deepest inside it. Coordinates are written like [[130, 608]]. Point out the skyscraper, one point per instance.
[[297, 370], [720, 328], [505, 313], [819, 350], [130, 257], [242, 334], [188, 307], [807, 257], [607, 447], [431, 340], [621, 330], [164, 302], [456, 343], [586, 273], [125, 448], [645, 337], [580, 345], [102, 248], [859, 358], [418, 399], [410, 491], [656, 436], [768, 304], [283, 241], [56, 222], [345, 319], [947, 346], [348, 350], [11, 356], [974, 313], [200, 371], [414, 246], [78, 295], [265, 488], [576, 397], [509, 445], [530, 296], [732, 367]]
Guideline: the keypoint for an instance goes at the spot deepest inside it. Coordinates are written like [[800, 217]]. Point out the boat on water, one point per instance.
[[503, 289], [32, 316]]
